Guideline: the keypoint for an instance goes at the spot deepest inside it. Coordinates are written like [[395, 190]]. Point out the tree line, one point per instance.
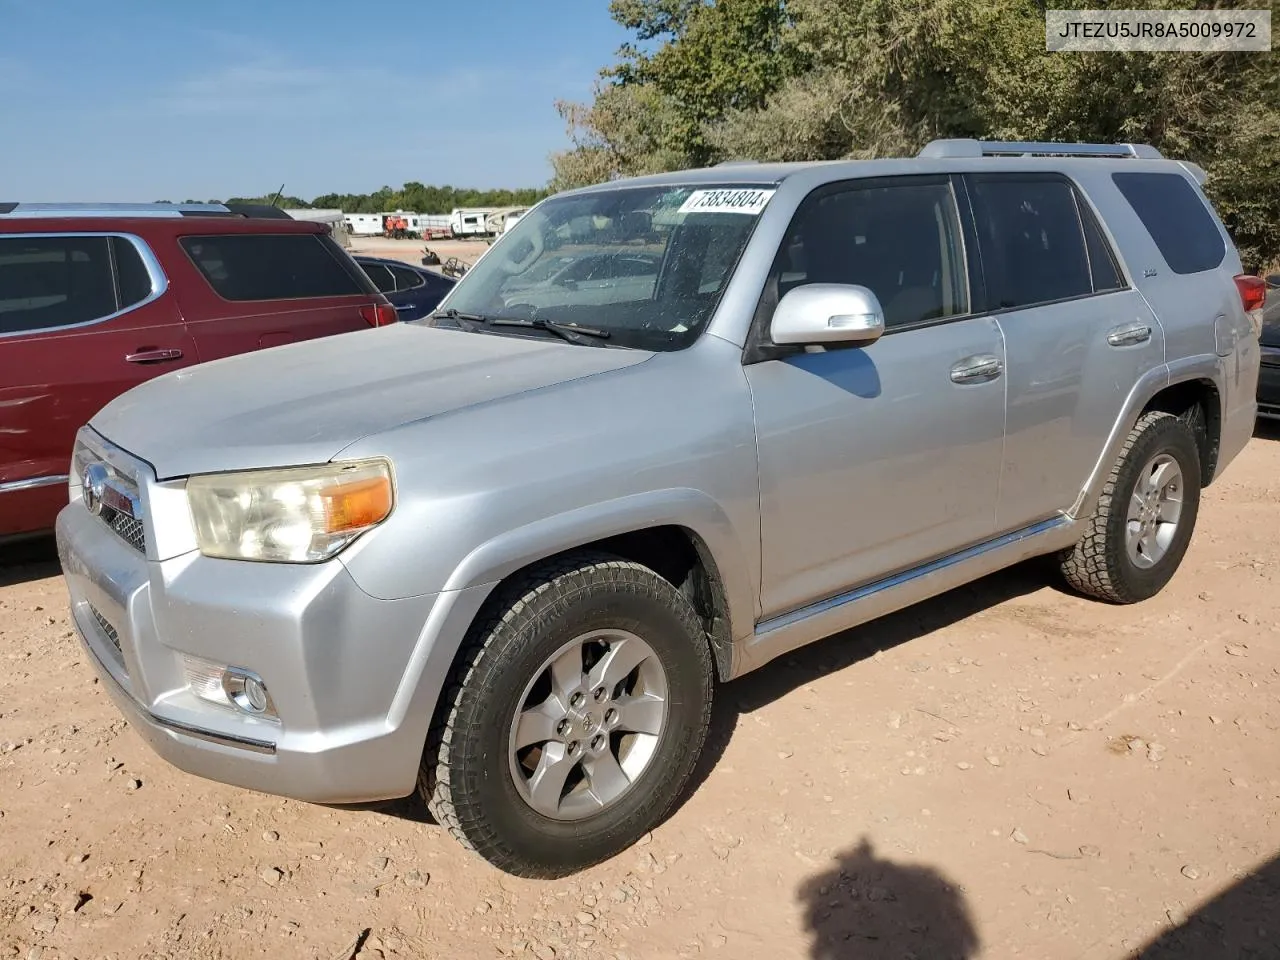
[[831, 79], [412, 196]]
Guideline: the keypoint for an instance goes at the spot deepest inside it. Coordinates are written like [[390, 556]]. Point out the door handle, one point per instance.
[[976, 369], [154, 356], [1129, 334]]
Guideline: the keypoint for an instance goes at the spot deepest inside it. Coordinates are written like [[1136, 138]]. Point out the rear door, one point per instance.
[[1077, 336], [249, 291], [83, 317]]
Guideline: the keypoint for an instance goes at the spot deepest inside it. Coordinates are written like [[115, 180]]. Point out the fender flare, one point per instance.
[[1200, 367], [684, 507]]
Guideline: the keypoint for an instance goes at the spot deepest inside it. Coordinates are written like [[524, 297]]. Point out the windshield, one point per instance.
[[647, 265]]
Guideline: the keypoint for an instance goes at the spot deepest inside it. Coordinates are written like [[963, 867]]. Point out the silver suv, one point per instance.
[[505, 554]]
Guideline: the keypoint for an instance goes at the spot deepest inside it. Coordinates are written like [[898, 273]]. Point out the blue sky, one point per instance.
[[174, 99]]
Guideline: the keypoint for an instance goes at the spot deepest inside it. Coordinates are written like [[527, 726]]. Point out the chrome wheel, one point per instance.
[[588, 724], [1155, 508]]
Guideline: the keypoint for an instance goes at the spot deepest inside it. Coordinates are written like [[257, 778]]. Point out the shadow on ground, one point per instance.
[[868, 908], [1241, 923], [22, 561]]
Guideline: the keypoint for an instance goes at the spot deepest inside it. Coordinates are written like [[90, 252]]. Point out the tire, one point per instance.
[[477, 786], [1102, 564]]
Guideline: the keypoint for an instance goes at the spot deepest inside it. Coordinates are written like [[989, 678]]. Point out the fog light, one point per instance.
[[247, 691], [227, 686]]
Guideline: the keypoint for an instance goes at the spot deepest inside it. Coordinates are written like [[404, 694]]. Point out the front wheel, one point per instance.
[[574, 718], [1142, 526]]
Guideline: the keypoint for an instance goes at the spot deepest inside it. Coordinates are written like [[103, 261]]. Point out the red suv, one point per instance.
[[94, 300]]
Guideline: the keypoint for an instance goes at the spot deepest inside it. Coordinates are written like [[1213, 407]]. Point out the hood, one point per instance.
[[303, 403]]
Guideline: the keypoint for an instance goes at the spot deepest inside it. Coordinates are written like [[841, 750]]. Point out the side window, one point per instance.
[[50, 282], [902, 241], [131, 276], [380, 276], [1175, 216], [1103, 268], [1033, 246], [285, 266], [406, 279]]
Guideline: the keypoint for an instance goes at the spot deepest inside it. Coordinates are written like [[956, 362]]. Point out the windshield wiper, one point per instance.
[[568, 331], [468, 321]]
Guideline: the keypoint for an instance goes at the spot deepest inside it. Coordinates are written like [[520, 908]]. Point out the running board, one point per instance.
[[788, 631]]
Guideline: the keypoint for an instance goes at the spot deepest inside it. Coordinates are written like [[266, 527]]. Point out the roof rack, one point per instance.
[[963, 148], [62, 210]]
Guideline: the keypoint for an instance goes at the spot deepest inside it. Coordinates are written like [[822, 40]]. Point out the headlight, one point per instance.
[[301, 515]]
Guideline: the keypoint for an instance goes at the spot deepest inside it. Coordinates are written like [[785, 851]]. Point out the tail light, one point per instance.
[[378, 314], [1253, 297]]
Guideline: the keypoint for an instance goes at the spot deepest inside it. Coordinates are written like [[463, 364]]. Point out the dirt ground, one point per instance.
[[1006, 771], [410, 251]]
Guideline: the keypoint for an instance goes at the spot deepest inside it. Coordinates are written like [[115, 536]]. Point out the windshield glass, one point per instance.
[[645, 264]]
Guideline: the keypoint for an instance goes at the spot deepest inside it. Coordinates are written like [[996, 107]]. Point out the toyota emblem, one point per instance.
[[94, 483]]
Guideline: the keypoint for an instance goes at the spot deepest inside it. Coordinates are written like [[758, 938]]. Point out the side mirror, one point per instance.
[[1273, 280], [828, 313]]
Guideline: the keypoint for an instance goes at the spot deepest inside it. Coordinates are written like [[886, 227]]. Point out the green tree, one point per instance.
[[829, 79]]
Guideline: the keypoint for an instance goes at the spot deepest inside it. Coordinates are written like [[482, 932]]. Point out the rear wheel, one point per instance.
[[574, 719], [1142, 526]]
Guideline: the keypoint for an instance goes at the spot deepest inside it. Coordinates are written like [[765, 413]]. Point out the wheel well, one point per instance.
[[1198, 403], [680, 557]]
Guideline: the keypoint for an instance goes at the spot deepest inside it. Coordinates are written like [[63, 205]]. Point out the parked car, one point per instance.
[[414, 292], [506, 555], [94, 300], [1269, 376]]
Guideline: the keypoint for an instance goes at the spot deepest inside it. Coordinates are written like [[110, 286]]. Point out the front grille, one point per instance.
[[129, 530], [108, 631]]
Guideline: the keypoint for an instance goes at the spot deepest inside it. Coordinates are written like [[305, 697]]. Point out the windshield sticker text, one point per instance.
[[726, 201]]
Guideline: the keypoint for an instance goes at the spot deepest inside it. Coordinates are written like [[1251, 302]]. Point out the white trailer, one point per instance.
[[364, 224], [472, 221]]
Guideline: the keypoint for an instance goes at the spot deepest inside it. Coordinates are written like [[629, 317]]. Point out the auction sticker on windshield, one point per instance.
[[726, 201]]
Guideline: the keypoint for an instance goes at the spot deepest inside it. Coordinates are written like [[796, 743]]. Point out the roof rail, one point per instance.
[[56, 210], [736, 163], [964, 148]]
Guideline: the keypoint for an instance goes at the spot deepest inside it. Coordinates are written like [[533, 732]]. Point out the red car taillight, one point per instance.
[[1253, 297], [1253, 292], [378, 314]]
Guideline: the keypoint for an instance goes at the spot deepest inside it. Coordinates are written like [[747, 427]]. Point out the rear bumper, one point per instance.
[[1269, 383]]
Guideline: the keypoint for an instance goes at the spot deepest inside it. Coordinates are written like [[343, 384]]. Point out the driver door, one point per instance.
[[876, 460]]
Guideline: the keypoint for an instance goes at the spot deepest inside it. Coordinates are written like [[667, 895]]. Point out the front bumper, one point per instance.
[[353, 678]]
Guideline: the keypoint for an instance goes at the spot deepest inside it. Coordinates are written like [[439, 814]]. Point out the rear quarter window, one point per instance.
[[1176, 217], [275, 266]]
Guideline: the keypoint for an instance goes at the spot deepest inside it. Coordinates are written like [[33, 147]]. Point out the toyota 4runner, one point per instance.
[[505, 554]]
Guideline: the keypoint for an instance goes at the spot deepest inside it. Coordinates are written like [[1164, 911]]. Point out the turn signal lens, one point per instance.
[[357, 505]]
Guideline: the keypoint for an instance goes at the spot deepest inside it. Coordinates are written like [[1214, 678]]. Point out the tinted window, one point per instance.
[[1176, 218], [380, 276], [1033, 247], [406, 279], [902, 242], [271, 267], [1103, 268], [53, 282], [132, 277]]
